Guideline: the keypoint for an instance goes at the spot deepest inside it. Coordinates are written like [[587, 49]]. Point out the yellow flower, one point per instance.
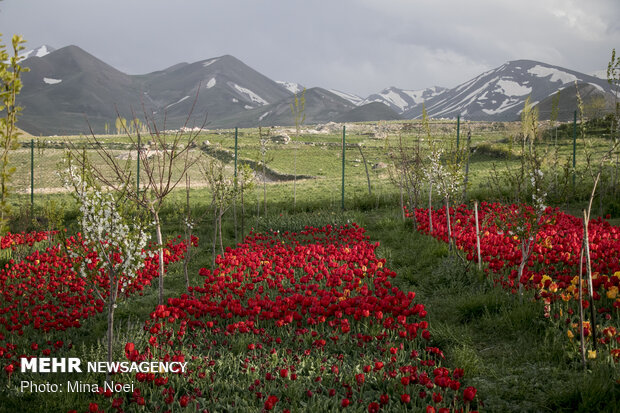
[[553, 287], [591, 354], [612, 292], [570, 334]]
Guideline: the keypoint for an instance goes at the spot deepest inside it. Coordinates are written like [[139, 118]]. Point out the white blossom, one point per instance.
[[106, 231]]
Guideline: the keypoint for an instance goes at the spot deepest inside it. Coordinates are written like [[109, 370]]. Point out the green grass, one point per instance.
[[319, 155]]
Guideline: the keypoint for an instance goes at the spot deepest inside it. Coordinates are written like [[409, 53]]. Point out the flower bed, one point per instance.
[[43, 296], [295, 321], [551, 271]]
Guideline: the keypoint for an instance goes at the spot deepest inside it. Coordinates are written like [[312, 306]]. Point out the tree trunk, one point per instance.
[[160, 247], [430, 208], [214, 235], [466, 180], [187, 257], [525, 255], [111, 304], [295, 179], [449, 224], [402, 201], [242, 212], [264, 187], [477, 235], [582, 343], [235, 212], [219, 224], [188, 235], [586, 220], [586, 242]]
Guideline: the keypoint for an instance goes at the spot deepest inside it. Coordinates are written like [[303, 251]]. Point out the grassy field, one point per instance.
[[318, 154]]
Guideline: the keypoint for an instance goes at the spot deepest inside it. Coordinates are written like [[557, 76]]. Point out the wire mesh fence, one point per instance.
[[311, 162]]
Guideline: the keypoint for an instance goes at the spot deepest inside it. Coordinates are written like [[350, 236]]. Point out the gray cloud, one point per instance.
[[358, 46]]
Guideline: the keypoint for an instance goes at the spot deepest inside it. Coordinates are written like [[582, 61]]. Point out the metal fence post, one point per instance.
[[458, 130], [236, 134], [31, 176], [344, 128], [138, 167], [574, 146]]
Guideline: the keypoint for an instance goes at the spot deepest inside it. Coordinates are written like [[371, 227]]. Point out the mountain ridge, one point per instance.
[[70, 91]]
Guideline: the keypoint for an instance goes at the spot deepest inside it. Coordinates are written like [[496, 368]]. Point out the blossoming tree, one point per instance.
[[111, 245]]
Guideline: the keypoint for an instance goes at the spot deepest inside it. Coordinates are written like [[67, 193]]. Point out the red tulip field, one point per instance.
[[551, 271], [43, 297], [285, 320]]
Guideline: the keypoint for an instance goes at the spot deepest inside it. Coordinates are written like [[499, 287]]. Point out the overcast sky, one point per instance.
[[357, 46]]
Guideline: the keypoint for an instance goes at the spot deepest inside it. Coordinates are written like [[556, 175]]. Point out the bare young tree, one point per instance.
[[225, 188], [263, 160], [298, 109], [164, 164]]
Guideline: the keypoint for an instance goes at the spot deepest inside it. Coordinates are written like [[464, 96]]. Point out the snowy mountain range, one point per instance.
[[499, 94], [69, 91], [401, 100]]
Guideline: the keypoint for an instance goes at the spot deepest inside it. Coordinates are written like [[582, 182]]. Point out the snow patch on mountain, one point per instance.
[[401, 100], [51, 81], [395, 99], [599, 87], [419, 96], [506, 104], [249, 94], [556, 74], [459, 103], [38, 52], [356, 100], [177, 102], [291, 86], [474, 80], [210, 62], [211, 83], [263, 116], [512, 88]]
